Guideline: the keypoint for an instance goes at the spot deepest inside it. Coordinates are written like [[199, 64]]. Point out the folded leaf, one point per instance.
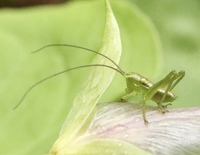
[[98, 81]]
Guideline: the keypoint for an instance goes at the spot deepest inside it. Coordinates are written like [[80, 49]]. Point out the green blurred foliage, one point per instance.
[[178, 25]]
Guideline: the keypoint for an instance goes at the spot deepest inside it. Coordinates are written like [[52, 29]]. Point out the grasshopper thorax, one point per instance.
[[136, 82]]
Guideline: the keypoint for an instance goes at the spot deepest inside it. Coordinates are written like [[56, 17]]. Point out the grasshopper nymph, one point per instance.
[[159, 92]]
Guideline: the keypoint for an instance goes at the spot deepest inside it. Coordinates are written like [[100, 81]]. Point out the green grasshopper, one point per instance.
[[137, 84]]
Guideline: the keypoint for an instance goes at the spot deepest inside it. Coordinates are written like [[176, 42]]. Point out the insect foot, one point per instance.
[[146, 122], [124, 99], [163, 108]]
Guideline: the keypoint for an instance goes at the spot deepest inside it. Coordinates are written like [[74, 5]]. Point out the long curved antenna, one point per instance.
[[59, 73], [87, 49]]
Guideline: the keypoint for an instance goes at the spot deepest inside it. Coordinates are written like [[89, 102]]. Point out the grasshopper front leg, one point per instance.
[[127, 95]]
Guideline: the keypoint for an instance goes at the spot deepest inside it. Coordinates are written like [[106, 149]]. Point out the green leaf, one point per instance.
[[96, 84]]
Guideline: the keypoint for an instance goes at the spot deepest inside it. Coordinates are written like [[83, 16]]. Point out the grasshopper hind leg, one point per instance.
[[169, 82]]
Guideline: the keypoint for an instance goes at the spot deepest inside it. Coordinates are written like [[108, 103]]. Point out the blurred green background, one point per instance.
[[34, 126]]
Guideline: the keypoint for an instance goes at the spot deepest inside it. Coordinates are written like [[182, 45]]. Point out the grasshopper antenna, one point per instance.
[[75, 46], [59, 73]]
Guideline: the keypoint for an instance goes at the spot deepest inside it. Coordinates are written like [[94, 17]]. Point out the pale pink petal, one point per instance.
[[176, 132]]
